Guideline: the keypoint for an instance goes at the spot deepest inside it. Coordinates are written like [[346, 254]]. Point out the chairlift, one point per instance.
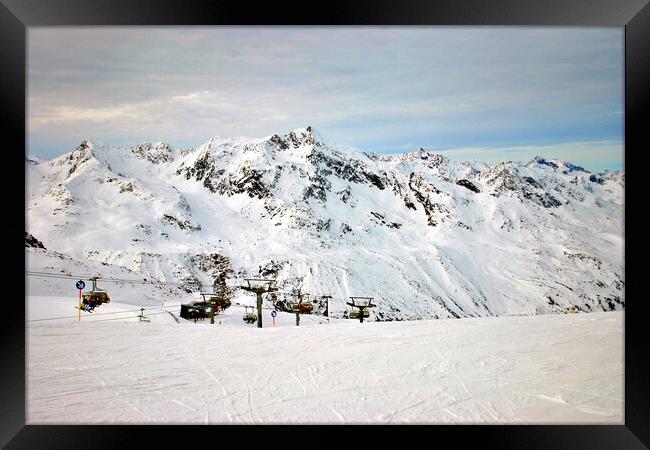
[[300, 307], [94, 298], [142, 317], [355, 314], [219, 302], [250, 316], [361, 303]]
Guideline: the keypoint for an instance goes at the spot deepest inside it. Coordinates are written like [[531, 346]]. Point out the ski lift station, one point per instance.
[[196, 310]]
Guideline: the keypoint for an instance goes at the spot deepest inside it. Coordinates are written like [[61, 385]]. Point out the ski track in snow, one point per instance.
[[539, 369]]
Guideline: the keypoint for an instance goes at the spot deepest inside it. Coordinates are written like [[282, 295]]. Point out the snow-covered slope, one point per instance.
[[558, 370], [425, 236]]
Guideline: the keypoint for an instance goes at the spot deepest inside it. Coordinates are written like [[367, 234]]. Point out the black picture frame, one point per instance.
[[17, 15]]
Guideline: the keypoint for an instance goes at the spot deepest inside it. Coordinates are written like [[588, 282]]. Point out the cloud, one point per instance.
[[374, 87]]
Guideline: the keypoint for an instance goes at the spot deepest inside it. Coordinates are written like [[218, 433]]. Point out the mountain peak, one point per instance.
[[33, 160], [304, 134], [430, 157], [86, 144], [541, 161], [555, 164], [295, 139], [304, 130], [83, 150]]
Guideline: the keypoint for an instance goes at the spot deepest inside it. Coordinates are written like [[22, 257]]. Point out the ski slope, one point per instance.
[[545, 369]]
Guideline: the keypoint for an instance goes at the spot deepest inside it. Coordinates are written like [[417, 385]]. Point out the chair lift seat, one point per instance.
[[355, 314], [250, 317]]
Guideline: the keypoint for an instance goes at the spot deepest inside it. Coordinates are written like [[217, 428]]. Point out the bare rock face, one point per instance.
[[271, 269], [469, 185], [202, 168], [218, 266], [83, 153], [355, 171], [425, 193], [183, 224], [31, 241], [154, 153], [190, 284], [503, 179], [318, 188], [247, 180]]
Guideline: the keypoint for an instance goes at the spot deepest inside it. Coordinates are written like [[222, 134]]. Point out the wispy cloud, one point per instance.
[[373, 87]]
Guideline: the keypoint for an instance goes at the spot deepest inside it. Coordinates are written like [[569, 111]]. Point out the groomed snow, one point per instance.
[[546, 369]]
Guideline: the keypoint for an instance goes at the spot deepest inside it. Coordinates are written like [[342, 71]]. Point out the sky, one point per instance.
[[473, 93]]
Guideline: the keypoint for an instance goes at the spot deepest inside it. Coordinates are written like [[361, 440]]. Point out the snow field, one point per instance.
[[546, 369]]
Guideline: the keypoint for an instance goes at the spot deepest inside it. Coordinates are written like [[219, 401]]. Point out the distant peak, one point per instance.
[[573, 168], [83, 150], [86, 144], [33, 160], [543, 161], [295, 138], [423, 153], [566, 167], [304, 130], [303, 134]]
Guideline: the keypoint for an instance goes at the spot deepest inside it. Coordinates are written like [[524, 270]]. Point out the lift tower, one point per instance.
[[327, 298], [259, 286]]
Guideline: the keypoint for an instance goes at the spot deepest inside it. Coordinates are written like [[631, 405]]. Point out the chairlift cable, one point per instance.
[[105, 313], [143, 282]]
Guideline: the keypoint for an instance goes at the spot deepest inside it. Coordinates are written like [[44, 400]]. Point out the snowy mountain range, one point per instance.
[[426, 236]]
